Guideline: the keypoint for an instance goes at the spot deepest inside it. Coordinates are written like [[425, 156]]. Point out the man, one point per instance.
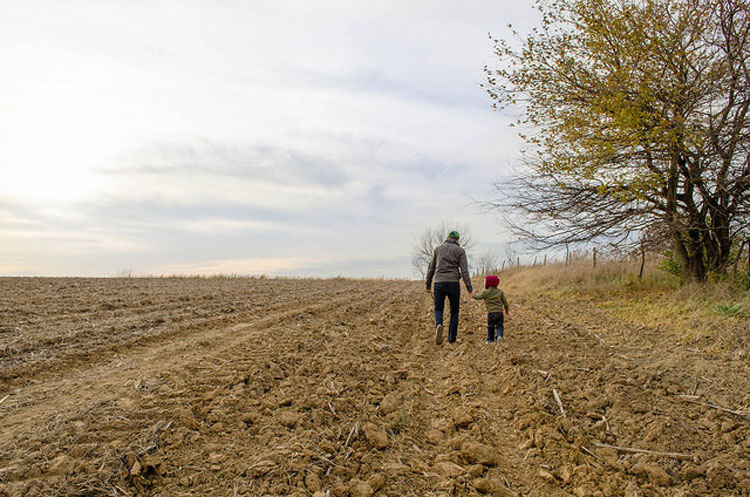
[[448, 266]]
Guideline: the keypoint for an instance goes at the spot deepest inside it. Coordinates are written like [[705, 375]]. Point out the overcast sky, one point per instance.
[[251, 137]]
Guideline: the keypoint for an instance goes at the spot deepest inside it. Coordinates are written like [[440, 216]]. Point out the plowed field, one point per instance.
[[254, 387]]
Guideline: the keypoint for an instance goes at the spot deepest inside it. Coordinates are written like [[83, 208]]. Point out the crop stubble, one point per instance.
[[235, 386]]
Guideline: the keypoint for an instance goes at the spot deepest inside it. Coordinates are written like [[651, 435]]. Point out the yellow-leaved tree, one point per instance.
[[636, 117]]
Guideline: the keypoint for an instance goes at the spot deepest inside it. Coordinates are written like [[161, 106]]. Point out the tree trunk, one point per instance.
[[721, 241], [690, 255]]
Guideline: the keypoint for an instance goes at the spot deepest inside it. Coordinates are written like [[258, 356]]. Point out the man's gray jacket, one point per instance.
[[449, 264]]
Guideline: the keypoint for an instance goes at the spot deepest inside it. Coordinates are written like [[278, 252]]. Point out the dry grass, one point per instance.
[[240, 276], [710, 316], [580, 276]]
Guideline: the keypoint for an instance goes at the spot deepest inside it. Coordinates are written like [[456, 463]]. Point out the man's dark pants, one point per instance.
[[452, 290]]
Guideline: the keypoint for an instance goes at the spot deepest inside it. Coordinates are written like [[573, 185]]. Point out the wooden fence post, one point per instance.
[[643, 260], [567, 254], [594, 257]]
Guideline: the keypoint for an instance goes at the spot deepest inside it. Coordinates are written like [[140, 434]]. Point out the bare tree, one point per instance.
[[638, 119], [425, 245], [486, 262]]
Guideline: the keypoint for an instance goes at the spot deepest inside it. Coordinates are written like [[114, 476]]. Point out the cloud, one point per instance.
[[247, 266], [257, 163], [272, 180]]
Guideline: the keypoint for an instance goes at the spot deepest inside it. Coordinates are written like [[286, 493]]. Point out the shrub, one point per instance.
[[730, 311], [670, 266]]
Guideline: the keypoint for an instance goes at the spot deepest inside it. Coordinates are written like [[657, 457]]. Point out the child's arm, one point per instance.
[[480, 296], [505, 304]]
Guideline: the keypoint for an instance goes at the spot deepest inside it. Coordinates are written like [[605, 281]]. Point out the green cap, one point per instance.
[[453, 234]]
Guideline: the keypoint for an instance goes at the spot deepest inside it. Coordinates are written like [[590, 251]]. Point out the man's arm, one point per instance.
[[463, 264], [431, 269]]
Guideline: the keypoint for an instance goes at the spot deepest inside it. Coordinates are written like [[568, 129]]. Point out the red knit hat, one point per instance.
[[491, 281]]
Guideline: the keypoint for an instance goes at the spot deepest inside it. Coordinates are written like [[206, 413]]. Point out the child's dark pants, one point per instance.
[[495, 325], [452, 290]]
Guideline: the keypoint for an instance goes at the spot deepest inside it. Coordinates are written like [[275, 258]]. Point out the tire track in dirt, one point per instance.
[[122, 341], [85, 383], [60, 350]]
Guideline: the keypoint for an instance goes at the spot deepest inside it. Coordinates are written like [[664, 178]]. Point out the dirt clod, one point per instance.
[[361, 489], [390, 403], [312, 482], [633, 490], [474, 452], [375, 435], [60, 465], [462, 418], [376, 481], [652, 472], [289, 418], [447, 468], [493, 486]]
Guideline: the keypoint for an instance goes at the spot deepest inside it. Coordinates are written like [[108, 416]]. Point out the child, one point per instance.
[[494, 302]]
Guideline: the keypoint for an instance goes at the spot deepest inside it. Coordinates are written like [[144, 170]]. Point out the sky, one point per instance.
[[277, 137]]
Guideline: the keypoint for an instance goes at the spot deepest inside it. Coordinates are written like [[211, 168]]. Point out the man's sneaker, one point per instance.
[[439, 334]]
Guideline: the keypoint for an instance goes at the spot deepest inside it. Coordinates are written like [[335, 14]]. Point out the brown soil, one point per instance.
[[253, 387]]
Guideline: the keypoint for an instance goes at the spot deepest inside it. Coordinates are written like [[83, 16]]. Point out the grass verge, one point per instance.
[[711, 316]]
